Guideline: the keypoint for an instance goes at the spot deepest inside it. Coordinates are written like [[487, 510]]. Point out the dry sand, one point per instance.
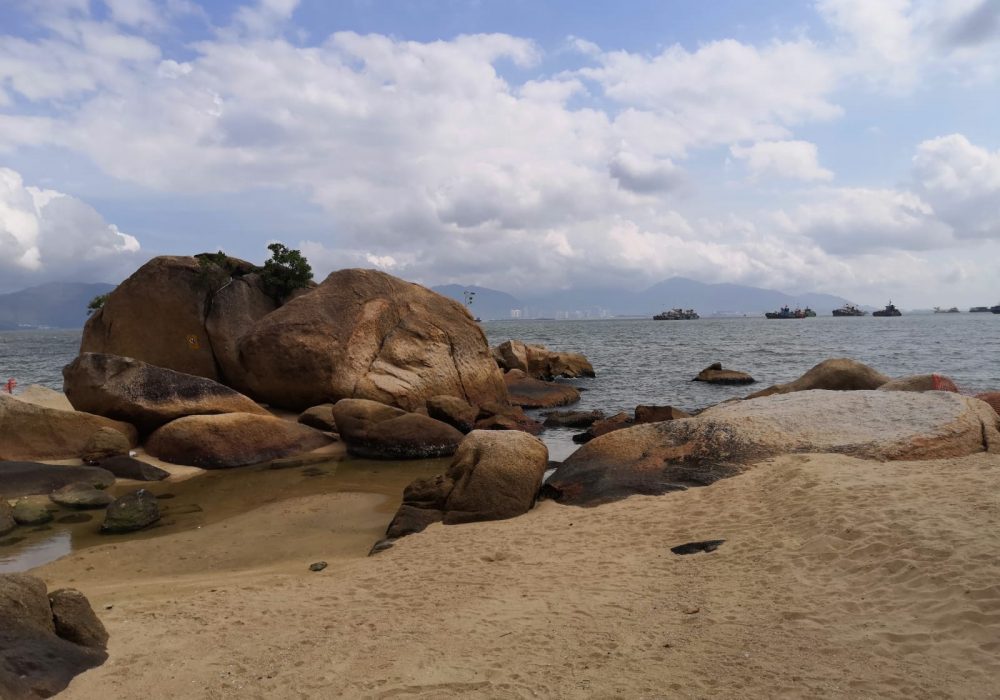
[[838, 578]]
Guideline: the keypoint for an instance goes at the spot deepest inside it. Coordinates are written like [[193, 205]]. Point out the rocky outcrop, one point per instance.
[[125, 467], [145, 395], [376, 431], [714, 374], [539, 362], [158, 316], [44, 642], [454, 411], [319, 417], [32, 432], [365, 334], [231, 440], [724, 440], [494, 475], [838, 374], [526, 392], [920, 382], [33, 478], [81, 496], [133, 511], [105, 444]]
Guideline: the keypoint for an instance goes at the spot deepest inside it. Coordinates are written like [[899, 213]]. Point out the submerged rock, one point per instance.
[[724, 440], [572, 419], [125, 467], [81, 496], [34, 478], [31, 512], [133, 511], [377, 431], [714, 374]]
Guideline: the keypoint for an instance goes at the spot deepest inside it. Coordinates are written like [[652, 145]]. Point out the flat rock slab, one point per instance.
[[723, 441], [34, 479], [527, 392]]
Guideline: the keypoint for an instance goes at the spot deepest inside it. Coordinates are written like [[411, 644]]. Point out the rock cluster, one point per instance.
[[538, 362]]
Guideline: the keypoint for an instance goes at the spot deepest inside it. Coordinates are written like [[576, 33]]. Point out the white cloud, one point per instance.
[[47, 235], [135, 13], [795, 160]]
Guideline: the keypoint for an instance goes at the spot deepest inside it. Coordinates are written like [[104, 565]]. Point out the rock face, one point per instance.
[[104, 444], [920, 382], [714, 374], [130, 468], [319, 417], [539, 362], [527, 392], [231, 440], [454, 411], [131, 512], [144, 395], [33, 478], [81, 496], [376, 431], [44, 644], [234, 309], [33, 432], [365, 334], [494, 475], [722, 441], [838, 374], [158, 316]]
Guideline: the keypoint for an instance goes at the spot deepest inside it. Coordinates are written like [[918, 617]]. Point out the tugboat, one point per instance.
[[677, 315], [889, 310], [849, 310], [785, 312], [808, 313]]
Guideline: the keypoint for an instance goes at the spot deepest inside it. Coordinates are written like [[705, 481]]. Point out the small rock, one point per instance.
[[317, 566], [714, 374], [572, 419], [381, 545], [28, 512], [131, 512], [694, 547], [81, 496]]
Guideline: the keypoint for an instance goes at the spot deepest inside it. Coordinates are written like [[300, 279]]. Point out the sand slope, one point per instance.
[[838, 578]]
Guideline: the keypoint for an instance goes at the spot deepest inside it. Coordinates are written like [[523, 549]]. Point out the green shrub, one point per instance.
[[96, 303], [286, 271]]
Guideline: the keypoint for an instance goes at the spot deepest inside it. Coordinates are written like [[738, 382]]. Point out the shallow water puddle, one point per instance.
[[215, 496]]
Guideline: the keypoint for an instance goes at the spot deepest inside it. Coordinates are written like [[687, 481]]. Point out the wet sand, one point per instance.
[[838, 578]]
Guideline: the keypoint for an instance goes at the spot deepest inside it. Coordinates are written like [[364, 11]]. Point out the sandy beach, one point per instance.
[[838, 578]]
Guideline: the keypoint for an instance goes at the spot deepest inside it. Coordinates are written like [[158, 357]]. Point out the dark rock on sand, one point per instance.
[[695, 547], [35, 661], [81, 496], [714, 374], [838, 374], [145, 395], [231, 440], [725, 440], [454, 411], [317, 566], [131, 468], [572, 419], [31, 512], [526, 392], [319, 417], [377, 431], [32, 478], [75, 621], [103, 444], [34, 432], [133, 511]]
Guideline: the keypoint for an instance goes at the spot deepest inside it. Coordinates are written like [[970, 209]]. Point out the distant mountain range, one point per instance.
[[53, 305], [706, 299]]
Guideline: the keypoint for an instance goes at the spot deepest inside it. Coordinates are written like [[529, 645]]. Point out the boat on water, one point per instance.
[[786, 312], [808, 313], [677, 315], [979, 310], [995, 309], [889, 310], [849, 310], [952, 310]]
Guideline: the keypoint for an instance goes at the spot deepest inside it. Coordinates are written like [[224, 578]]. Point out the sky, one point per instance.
[[842, 146]]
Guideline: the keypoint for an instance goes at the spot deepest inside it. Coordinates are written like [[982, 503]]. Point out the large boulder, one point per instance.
[[365, 334], [32, 432], [231, 440], [234, 309], [145, 395], [837, 374], [527, 392], [724, 440], [494, 475], [920, 382], [539, 362], [40, 640], [158, 316], [33, 478], [133, 511], [376, 431]]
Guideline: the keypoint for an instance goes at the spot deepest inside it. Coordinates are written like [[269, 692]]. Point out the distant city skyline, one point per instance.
[[839, 146]]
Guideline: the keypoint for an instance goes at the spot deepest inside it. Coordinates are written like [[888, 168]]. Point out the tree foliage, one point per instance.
[[286, 271], [96, 303]]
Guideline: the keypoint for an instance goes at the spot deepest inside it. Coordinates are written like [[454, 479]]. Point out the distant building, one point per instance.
[[515, 313]]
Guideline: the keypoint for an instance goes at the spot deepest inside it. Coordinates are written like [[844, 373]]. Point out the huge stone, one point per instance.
[[837, 374], [539, 362], [723, 441], [145, 395], [126, 467], [365, 334], [494, 475], [34, 661], [526, 392], [158, 316], [81, 496], [231, 440], [920, 382], [133, 511], [234, 309], [7, 522], [31, 432], [104, 444], [33, 478], [376, 431]]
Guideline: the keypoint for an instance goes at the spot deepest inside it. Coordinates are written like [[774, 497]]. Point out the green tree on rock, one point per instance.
[[286, 271]]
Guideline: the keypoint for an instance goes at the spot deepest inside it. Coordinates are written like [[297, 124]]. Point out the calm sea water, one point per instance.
[[645, 361]]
